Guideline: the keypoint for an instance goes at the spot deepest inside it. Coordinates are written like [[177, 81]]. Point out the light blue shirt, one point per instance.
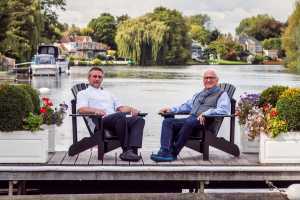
[[223, 106]]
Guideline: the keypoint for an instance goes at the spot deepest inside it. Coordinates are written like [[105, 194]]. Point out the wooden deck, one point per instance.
[[189, 167]]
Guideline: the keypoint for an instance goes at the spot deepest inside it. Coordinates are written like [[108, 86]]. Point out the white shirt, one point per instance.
[[97, 98]]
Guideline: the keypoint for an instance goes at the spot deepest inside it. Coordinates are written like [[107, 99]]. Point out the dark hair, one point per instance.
[[95, 69]]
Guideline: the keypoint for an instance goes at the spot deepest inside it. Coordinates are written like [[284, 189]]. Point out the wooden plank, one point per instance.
[[146, 158], [252, 158], [187, 158], [178, 161], [69, 160], [57, 158], [84, 157], [110, 158], [94, 158], [198, 157]]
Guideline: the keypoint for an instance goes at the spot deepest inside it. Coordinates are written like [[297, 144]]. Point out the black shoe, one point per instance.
[[129, 155]]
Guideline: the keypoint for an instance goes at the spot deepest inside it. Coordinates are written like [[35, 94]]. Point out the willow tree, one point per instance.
[[157, 38], [141, 39], [291, 40]]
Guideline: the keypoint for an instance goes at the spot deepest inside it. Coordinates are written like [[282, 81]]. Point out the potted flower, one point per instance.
[[21, 140], [280, 143], [249, 144], [51, 117]]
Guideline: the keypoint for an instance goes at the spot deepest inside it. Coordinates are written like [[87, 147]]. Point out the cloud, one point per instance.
[[225, 14]]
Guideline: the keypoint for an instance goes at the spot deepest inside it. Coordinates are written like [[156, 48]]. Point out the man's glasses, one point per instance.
[[95, 76], [209, 77]]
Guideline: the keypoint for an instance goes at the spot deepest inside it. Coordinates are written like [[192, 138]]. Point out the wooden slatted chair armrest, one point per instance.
[[141, 114], [213, 116], [171, 114], [85, 115]]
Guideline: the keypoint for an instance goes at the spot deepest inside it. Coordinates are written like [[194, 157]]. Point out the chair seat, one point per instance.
[[109, 135], [196, 134]]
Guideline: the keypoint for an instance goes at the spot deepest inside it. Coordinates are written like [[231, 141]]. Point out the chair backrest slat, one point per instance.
[[230, 89], [78, 87], [75, 89]]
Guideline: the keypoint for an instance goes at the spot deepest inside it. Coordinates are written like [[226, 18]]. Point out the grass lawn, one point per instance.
[[228, 62]]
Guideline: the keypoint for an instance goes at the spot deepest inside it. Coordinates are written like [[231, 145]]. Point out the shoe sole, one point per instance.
[[161, 159]]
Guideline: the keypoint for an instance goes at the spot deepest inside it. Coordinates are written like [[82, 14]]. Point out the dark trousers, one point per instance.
[[176, 131], [129, 130]]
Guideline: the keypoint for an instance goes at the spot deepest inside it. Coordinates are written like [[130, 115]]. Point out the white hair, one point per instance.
[[210, 70]]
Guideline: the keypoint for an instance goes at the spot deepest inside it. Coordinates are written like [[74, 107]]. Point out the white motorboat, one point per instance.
[[48, 61]]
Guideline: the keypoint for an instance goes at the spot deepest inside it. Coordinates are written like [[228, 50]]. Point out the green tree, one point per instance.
[[122, 18], [199, 33], [141, 39], [226, 47], [291, 40], [104, 29], [272, 43], [159, 38], [200, 19], [177, 47], [261, 27], [22, 33], [24, 24]]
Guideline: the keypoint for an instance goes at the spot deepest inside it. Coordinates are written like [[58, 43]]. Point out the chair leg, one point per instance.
[[100, 150], [205, 148]]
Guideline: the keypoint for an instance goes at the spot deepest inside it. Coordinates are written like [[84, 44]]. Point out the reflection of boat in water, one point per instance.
[[48, 61]]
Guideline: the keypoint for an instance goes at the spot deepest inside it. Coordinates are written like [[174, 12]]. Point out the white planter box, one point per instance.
[[51, 136], [248, 146], [24, 147], [282, 149]]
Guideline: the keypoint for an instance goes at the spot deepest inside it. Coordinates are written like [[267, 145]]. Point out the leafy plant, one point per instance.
[[50, 115], [33, 122], [34, 94], [256, 122], [271, 95], [244, 105], [16, 104], [288, 106]]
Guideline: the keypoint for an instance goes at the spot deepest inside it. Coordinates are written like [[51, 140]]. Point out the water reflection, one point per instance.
[[150, 88]]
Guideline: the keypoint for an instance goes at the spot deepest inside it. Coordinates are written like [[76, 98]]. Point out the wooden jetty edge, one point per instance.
[[188, 167]]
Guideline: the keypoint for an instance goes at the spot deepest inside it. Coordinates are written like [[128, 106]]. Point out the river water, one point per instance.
[[150, 88]]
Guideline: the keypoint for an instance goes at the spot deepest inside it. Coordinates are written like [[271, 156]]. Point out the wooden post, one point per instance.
[[10, 188]]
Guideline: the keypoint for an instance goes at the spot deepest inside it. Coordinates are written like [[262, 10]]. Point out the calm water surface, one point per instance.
[[150, 88]]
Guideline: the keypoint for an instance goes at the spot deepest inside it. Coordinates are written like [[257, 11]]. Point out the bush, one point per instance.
[[96, 61], [16, 104], [34, 94], [258, 59], [271, 95], [288, 106]]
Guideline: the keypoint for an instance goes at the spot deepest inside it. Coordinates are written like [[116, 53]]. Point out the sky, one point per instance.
[[225, 14]]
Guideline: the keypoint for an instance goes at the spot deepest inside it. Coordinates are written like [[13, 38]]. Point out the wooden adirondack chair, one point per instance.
[[201, 139], [105, 139]]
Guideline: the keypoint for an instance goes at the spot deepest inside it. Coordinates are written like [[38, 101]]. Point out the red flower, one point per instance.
[[49, 103], [43, 110], [273, 113], [267, 107]]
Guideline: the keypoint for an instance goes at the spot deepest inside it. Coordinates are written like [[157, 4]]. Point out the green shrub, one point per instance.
[[96, 61], [288, 107], [258, 59], [16, 104], [271, 95], [33, 122], [34, 94]]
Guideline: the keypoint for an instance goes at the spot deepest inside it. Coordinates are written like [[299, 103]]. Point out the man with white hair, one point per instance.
[[212, 100]]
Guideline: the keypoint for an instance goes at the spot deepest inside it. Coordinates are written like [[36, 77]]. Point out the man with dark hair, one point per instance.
[[175, 132], [100, 102]]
